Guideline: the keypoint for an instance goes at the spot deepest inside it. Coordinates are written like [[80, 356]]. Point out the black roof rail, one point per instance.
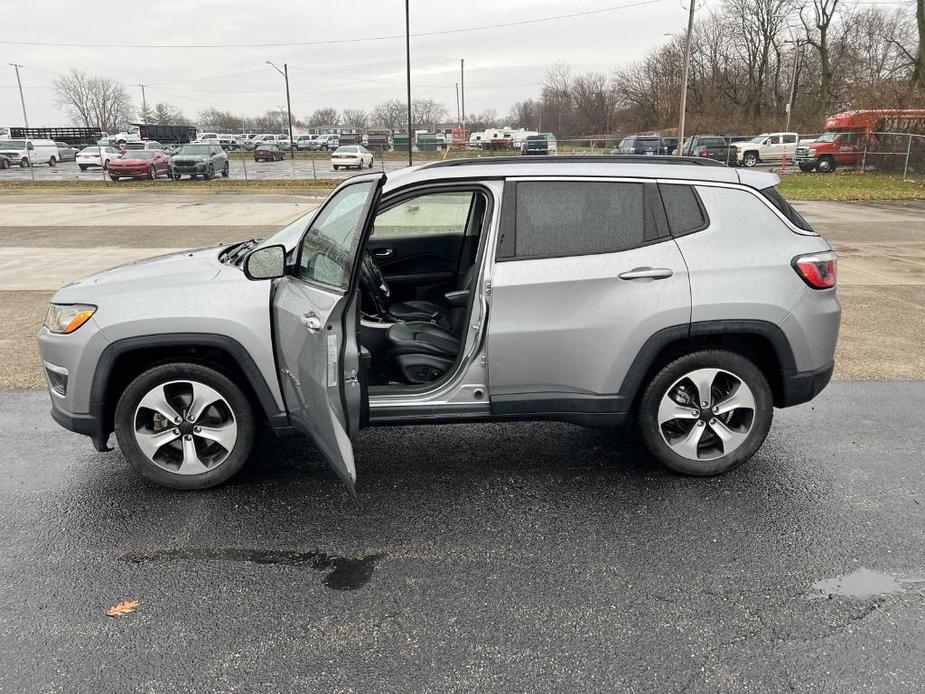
[[575, 159]]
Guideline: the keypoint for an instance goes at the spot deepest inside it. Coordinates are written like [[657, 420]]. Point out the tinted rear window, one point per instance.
[[786, 208], [682, 209], [557, 218]]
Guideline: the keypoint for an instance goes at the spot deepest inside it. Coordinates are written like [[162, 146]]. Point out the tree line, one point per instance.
[[749, 60]]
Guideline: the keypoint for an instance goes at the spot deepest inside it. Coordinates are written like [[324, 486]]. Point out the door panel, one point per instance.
[[315, 318], [570, 326]]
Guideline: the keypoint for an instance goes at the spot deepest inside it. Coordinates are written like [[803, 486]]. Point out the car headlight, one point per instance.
[[812, 151], [66, 318]]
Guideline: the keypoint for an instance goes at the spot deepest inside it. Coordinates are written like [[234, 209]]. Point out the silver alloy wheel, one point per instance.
[[706, 414], [185, 427]]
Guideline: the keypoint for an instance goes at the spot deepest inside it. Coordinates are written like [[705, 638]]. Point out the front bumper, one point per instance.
[[87, 424], [133, 172], [196, 168]]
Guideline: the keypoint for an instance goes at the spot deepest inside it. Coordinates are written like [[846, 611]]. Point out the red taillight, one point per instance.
[[818, 270]]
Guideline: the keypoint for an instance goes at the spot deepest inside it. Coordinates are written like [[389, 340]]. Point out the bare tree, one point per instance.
[[918, 76], [222, 121], [355, 117], [326, 116], [390, 114], [426, 113], [93, 101]]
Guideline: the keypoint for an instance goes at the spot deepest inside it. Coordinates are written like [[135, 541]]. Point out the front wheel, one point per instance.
[[705, 413], [225, 170], [24, 162], [52, 162], [806, 168], [152, 174], [210, 173], [113, 178], [826, 165], [82, 167], [185, 426], [750, 159]]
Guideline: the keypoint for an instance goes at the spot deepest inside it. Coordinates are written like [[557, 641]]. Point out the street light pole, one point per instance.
[[22, 101], [144, 105], [408, 74], [285, 73], [684, 76]]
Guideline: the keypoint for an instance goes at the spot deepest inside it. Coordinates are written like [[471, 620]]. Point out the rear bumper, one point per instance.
[[798, 387]]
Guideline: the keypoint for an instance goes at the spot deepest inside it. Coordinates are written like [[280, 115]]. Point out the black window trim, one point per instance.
[[653, 211], [703, 210]]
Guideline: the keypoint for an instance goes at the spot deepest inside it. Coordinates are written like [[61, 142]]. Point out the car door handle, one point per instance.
[[383, 252], [646, 273], [311, 321]]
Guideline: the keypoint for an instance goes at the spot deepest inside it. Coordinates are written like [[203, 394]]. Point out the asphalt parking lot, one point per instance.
[[239, 170], [519, 557]]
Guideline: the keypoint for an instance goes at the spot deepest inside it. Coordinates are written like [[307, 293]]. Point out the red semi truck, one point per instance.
[[847, 136]]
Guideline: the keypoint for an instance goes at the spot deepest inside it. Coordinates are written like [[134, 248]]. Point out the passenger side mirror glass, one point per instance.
[[266, 263]]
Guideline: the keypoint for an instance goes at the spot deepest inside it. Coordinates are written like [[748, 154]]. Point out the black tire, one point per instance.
[[175, 176], [371, 162], [241, 410], [741, 367], [750, 159], [82, 167], [210, 173], [825, 165], [106, 165], [23, 163], [225, 170], [52, 162], [4, 163], [114, 178], [807, 168], [152, 174]]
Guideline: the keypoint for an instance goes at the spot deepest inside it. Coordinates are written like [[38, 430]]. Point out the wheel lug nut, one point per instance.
[[178, 420], [705, 404], [188, 437], [695, 413], [176, 432], [716, 410], [197, 429], [700, 422]]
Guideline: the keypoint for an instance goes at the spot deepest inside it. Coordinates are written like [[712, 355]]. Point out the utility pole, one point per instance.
[[797, 51], [144, 105], [462, 83], [408, 75], [22, 101], [285, 73], [687, 67], [458, 117]]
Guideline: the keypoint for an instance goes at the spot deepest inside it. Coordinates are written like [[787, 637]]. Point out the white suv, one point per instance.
[[767, 147]]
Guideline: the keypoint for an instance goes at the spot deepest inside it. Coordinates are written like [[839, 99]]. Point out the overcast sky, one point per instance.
[[503, 65]]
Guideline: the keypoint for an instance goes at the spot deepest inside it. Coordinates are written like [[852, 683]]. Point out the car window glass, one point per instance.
[[790, 139], [427, 215], [776, 199], [575, 218], [328, 246], [681, 208]]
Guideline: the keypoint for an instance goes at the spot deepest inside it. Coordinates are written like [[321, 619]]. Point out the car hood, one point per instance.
[[170, 270], [131, 161], [191, 157]]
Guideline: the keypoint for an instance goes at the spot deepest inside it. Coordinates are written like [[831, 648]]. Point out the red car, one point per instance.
[[146, 163]]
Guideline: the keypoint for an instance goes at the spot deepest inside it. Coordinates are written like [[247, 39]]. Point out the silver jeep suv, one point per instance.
[[687, 297]]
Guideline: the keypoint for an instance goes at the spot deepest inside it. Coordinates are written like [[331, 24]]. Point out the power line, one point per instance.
[[390, 37]]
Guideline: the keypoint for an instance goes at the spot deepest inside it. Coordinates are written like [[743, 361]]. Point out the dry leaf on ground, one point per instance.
[[124, 607]]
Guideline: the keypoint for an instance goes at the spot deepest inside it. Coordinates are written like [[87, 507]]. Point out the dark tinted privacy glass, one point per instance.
[[682, 208], [575, 218], [786, 208]]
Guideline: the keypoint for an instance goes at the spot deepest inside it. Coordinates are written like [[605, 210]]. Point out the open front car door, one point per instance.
[[316, 319]]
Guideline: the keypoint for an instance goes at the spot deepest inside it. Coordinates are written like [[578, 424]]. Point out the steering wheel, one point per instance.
[[373, 281]]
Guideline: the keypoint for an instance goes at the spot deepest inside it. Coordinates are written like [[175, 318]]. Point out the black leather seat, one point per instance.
[[441, 314], [422, 351]]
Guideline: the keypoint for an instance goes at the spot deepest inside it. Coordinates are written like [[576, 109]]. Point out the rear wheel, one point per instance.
[[24, 162], [82, 167], [4, 163], [210, 173], [52, 162], [750, 159], [185, 426], [113, 178], [225, 170], [706, 413], [152, 174]]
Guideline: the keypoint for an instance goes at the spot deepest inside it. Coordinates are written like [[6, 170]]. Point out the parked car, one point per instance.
[[66, 152], [716, 147], [199, 159], [150, 145], [543, 143], [646, 144], [30, 152], [208, 138], [690, 324], [304, 142], [326, 142], [96, 155], [267, 151], [351, 155], [766, 147], [145, 163]]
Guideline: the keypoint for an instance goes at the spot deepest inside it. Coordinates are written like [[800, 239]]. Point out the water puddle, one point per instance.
[[862, 583], [343, 573]]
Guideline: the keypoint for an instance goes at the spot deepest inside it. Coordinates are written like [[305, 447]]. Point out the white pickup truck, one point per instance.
[[767, 147]]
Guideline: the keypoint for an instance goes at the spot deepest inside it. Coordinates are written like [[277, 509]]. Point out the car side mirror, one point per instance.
[[265, 263]]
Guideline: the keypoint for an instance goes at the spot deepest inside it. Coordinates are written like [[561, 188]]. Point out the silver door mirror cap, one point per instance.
[[266, 263]]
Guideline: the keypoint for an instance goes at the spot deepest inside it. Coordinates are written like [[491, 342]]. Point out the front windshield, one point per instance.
[[13, 144], [141, 154], [827, 137], [758, 138], [194, 149], [290, 234]]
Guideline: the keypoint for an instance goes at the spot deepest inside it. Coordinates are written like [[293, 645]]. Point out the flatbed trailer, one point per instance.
[[71, 136]]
